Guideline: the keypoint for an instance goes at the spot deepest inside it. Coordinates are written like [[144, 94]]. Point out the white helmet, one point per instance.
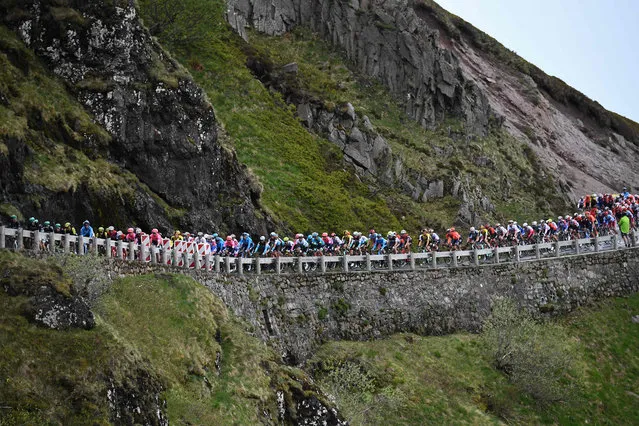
[[525, 224], [534, 223], [472, 229]]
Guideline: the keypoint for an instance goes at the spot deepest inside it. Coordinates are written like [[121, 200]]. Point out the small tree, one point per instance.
[[536, 357]]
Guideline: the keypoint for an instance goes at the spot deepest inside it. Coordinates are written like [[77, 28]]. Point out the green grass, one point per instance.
[[165, 327], [449, 379]]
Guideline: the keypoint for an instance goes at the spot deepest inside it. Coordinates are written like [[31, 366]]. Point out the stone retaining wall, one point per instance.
[[297, 312]]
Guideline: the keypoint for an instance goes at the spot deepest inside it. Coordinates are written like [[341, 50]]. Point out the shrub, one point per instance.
[[536, 357]]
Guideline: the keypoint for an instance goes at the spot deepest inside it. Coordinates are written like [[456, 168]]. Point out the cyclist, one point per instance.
[[301, 245], [473, 237], [260, 247], [405, 241], [424, 240], [246, 244], [435, 240], [14, 223], [379, 245]]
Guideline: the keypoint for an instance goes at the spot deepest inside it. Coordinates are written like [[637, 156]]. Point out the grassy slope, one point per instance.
[[306, 185], [165, 325], [448, 380]]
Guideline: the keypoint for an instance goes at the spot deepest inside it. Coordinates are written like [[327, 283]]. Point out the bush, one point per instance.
[[536, 357]]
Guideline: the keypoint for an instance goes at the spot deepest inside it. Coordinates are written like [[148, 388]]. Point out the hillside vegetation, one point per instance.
[[160, 342], [307, 185], [164, 341]]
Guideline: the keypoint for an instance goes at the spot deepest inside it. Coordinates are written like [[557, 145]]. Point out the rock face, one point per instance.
[[56, 311], [163, 128], [439, 66], [385, 40]]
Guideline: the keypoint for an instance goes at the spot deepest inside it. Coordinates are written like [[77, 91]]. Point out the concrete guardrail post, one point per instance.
[[577, 246], [107, 247], [345, 263], [175, 258], [2, 237], [196, 259], [455, 260], [20, 239], [496, 255], [322, 262], [537, 252], [217, 265], [411, 259], [597, 243], [258, 265], [207, 262], [368, 262], [52, 242], [433, 258], [154, 255], [615, 242], [389, 261], [164, 258], [131, 253], [300, 265], [557, 249], [227, 264], [94, 245], [118, 250], [278, 266], [67, 243], [239, 266], [36, 241], [475, 257], [517, 254], [143, 253], [185, 260]]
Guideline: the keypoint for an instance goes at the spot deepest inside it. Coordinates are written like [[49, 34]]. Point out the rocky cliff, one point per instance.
[[439, 66], [161, 130]]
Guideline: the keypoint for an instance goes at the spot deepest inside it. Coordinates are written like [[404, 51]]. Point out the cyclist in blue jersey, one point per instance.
[[379, 245]]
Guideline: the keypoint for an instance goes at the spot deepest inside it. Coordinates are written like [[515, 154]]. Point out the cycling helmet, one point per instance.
[[286, 239], [497, 225], [57, 225], [324, 234], [215, 235], [47, 223], [14, 216], [472, 229], [549, 220], [200, 234], [525, 224], [452, 229], [154, 231], [560, 217], [32, 219], [347, 233], [130, 230], [332, 234], [229, 238], [534, 223], [262, 238], [36, 221], [86, 222], [372, 231], [273, 234], [314, 234], [66, 225], [403, 231], [101, 229]]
